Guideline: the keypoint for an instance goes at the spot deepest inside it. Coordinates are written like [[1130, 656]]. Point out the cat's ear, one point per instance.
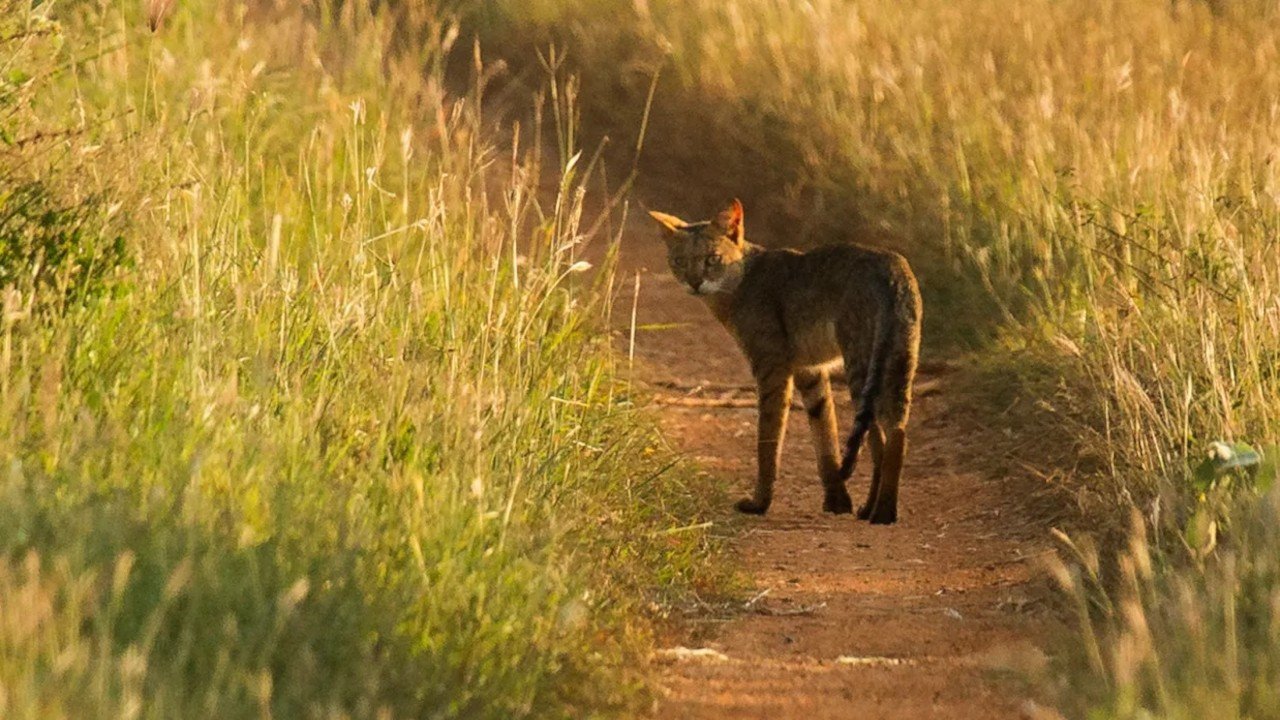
[[730, 219], [670, 222]]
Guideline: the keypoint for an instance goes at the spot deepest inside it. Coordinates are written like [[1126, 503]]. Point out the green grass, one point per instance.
[[1104, 172], [335, 430]]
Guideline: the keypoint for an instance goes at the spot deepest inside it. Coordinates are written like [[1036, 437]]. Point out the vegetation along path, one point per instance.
[[936, 616]]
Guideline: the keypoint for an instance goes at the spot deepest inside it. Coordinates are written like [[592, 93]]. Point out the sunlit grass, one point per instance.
[[1106, 171], [341, 436], [1105, 168], [339, 430]]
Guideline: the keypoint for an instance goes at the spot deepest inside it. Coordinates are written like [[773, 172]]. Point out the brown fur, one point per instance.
[[796, 316]]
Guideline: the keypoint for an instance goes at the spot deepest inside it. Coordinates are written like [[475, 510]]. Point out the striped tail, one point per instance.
[[866, 412]]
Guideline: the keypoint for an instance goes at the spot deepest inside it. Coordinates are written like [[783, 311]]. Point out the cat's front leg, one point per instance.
[[774, 388]]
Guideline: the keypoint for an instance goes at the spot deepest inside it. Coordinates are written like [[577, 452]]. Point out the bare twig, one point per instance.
[[759, 596], [685, 528], [791, 612], [721, 402], [701, 387]]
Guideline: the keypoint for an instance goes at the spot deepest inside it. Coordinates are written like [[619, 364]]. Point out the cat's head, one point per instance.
[[707, 256]]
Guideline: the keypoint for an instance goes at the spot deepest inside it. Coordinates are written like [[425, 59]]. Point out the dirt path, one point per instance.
[[935, 616]]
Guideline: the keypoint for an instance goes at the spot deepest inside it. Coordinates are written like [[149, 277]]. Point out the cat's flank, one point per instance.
[[796, 315]]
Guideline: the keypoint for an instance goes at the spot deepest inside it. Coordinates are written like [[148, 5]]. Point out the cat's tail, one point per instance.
[[880, 349]]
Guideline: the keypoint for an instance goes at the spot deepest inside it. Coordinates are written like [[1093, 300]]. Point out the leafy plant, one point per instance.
[[1229, 469], [48, 244], [1236, 463]]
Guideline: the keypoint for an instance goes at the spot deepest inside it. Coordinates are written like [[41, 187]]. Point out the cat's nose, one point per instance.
[[695, 287]]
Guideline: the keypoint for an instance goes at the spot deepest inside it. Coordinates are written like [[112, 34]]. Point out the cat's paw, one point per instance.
[[864, 512], [837, 504], [751, 507]]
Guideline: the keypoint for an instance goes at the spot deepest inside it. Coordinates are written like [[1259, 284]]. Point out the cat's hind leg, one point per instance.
[[875, 438], [815, 390], [885, 509]]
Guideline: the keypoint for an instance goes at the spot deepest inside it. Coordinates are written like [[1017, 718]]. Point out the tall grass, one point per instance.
[[1165, 639], [339, 436], [1107, 172], [1104, 168]]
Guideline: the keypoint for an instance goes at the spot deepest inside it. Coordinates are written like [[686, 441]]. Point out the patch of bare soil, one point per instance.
[[940, 615]]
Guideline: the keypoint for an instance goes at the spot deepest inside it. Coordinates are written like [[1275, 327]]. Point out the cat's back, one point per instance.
[[826, 275], [804, 302]]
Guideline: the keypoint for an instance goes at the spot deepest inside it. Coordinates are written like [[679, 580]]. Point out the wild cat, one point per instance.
[[796, 315]]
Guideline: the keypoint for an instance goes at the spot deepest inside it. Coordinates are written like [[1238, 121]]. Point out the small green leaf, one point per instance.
[[1205, 473], [1243, 455], [1265, 476], [1201, 532], [1223, 459]]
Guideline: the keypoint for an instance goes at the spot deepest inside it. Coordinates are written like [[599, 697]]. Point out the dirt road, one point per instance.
[[936, 616]]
